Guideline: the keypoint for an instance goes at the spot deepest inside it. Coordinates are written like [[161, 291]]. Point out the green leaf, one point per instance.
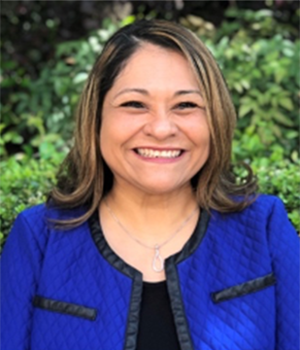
[[281, 118], [128, 20], [244, 109], [286, 103], [295, 156], [80, 78]]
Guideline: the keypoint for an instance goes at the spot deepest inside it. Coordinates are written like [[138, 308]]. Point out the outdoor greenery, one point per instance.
[[258, 56]]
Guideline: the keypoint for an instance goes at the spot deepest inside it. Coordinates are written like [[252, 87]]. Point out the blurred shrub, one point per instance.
[[264, 79], [281, 177], [44, 107], [24, 183]]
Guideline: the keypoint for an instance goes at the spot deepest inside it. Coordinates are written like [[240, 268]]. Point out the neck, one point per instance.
[[151, 217]]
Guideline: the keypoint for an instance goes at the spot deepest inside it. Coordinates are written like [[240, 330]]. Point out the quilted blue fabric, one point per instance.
[[67, 266], [238, 248]]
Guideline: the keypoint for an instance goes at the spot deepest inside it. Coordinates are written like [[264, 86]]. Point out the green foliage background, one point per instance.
[[259, 59]]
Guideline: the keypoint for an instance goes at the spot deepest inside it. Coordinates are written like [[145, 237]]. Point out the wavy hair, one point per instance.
[[84, 178]]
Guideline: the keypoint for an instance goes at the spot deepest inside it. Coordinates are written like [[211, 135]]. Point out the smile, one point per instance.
[[151, 153]]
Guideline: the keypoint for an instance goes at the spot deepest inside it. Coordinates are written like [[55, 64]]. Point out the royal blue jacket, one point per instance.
[[234, 286]]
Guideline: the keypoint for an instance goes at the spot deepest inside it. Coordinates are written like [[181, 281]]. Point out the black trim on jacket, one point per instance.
[[65, 308], [129, 271], [244, 288], [173, 284], [172, 278]]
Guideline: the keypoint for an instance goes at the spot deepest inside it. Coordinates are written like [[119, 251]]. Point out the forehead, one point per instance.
[[154, 65]]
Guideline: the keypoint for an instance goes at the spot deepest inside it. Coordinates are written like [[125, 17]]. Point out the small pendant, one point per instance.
[[158, 261]]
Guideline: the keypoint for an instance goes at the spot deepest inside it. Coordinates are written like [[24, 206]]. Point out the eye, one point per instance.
[[133, 104], [186, 105]]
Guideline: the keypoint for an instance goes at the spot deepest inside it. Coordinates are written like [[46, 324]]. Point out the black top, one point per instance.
[[156, 328]]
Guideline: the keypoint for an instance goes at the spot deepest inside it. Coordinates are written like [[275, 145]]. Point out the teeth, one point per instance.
[[150, 153]]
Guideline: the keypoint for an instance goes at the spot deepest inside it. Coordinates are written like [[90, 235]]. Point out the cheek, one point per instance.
[[202, 141], [106, 141], [200, 133], [113, 135]]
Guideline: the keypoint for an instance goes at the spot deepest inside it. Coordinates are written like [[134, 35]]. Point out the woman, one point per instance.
[[147, 242]]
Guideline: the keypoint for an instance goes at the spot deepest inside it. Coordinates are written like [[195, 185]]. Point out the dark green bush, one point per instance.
[[261, 66], [281, 177], [43, 110], [24, 183]]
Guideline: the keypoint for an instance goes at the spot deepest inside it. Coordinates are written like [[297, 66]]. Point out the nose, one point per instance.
[[161, 126]]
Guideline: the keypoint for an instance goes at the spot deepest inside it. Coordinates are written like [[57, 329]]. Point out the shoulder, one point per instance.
[[29, 221], [41, 215], [267, 210], [262, 215], [265, 204], [35, 224], [262, 207], [33, 217]]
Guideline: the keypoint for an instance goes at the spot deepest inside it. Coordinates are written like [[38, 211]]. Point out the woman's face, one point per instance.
[[154, 135]]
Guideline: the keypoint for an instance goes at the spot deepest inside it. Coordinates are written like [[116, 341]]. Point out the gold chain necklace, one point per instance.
[[158, 263]]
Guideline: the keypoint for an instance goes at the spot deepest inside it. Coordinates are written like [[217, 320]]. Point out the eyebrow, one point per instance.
[[141, 91], [185, 92], [145, 92]]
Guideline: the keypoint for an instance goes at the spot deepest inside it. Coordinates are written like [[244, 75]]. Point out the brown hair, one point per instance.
[[84, 177]]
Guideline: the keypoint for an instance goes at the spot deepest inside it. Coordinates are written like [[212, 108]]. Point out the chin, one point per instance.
[[162, 188]]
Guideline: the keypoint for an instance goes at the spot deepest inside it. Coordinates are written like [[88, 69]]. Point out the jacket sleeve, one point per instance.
[[20, 267], [284, 250]]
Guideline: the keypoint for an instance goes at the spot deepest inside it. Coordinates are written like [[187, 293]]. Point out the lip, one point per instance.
[[160, 160], [156, 148]]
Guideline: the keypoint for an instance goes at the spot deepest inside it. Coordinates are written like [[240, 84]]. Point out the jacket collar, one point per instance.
[[105, 250], [172, 278]]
